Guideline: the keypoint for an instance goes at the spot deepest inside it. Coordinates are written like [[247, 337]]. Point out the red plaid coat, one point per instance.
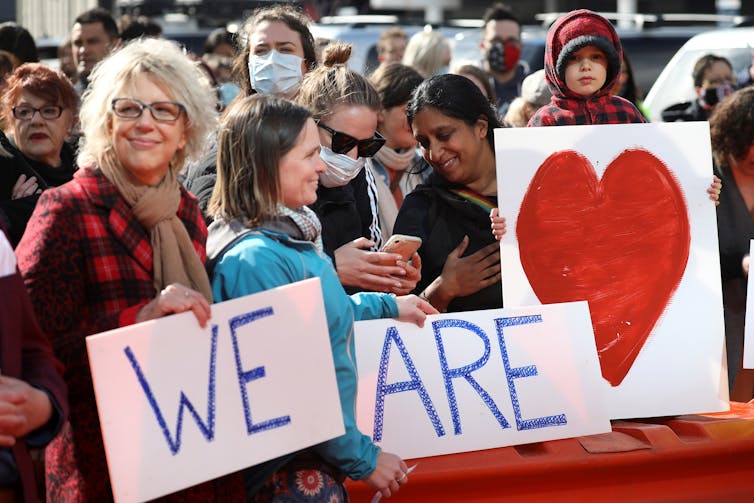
[[567, 108], [87, 264]]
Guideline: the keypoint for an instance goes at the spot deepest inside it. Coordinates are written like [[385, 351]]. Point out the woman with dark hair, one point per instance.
[[8, 63], [453, 123], [278, 53], [17, 40], [732, 134], [39, 109], [264, 236], [714, 80], [398, 167]]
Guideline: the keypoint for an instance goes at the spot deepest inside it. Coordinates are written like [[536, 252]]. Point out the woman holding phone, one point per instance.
[[345, 107]]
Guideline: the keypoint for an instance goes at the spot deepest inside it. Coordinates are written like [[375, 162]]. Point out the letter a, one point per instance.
[[399, 387]]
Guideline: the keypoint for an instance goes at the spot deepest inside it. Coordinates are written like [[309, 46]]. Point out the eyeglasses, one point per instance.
[[26, 112], [162, 111], [343, 143]]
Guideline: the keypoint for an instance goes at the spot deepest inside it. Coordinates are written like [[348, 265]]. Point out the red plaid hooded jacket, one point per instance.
[[87, 264], [571, 32]]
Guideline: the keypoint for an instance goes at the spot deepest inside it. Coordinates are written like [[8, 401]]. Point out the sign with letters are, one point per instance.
[[180, 405], [479, 380]]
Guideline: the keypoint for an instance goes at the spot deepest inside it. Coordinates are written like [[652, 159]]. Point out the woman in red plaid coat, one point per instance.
[[123, 242]]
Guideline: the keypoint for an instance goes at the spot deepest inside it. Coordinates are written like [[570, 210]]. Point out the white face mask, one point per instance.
[[275, 73], [341, 169]]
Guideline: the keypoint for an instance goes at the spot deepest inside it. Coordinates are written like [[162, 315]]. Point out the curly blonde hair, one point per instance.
[[166, 64]]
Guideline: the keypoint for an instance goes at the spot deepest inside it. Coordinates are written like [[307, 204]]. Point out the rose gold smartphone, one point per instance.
[[404, 245]]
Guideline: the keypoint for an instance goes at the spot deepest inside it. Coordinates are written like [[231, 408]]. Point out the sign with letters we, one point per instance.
[[180, 405], [479, 380]]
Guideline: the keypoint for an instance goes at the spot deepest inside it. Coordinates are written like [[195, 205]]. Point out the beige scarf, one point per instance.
[[392, 159], [387, 207], [174, 258]]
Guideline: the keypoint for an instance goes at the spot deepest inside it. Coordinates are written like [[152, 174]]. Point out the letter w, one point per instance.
[[207, 429]]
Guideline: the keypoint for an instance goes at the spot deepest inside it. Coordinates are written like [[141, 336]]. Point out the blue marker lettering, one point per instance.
[[520, 372], [465, 372], [208, 429], [415, 383], [246, 376]]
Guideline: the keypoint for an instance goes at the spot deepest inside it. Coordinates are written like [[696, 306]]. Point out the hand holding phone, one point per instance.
[[402, 244]]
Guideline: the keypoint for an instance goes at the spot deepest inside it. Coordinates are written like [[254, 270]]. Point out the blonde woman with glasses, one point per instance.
[[123, 242]]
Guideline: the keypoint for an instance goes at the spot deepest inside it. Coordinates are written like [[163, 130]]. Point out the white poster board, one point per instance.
[[749, 323], [180, 405], [638, 241], [479, 380]]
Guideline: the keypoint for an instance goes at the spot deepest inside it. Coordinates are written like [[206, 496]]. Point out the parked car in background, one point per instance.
[[675, 84]]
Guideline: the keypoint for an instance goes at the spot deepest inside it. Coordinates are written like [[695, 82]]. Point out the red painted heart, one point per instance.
[[622, 244]]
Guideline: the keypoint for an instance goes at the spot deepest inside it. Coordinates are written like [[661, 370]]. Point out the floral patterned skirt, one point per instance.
[[301, 486]]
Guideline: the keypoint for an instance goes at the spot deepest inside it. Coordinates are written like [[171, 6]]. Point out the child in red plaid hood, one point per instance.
[[582, 64]]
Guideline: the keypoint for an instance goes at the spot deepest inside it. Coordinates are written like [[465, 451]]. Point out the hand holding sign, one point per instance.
[[478, 380], [176, 298], [170, 394], [389, 475], [401, 480]]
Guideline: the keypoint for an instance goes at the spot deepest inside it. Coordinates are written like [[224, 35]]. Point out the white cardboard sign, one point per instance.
[[749, 323], [619, 215], [479, 380], [180, 405]]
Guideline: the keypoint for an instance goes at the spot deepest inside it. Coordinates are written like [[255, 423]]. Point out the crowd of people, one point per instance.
[[139, 181]]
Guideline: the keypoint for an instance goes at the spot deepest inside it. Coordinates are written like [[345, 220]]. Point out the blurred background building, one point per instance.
[[53, 18]]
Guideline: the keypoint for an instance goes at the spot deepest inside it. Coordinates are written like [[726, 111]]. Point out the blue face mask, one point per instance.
[[276, 73], [228, 91], [443, 70]]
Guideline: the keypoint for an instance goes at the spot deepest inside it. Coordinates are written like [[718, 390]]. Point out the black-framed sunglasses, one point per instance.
[[26, 112], [162, 111], [343, 143]]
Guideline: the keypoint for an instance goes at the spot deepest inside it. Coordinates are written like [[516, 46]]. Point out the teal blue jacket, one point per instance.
[[267, 259]]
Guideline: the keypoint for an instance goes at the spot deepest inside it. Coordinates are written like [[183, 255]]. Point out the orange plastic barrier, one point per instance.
[[690, 458]]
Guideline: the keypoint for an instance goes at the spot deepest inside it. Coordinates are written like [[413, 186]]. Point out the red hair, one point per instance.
[[42, 81]]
